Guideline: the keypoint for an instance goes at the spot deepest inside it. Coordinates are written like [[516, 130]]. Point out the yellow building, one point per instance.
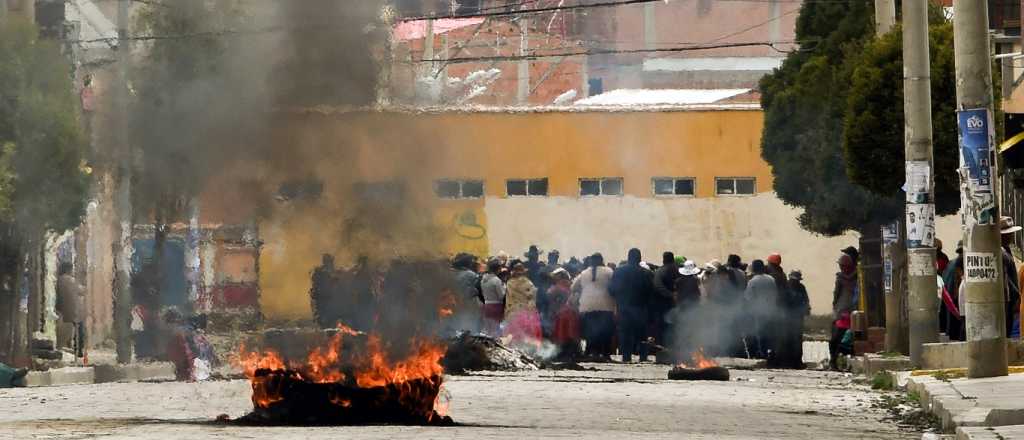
[[381, 184]]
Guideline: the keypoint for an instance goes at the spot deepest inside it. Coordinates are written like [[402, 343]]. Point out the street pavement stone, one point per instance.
[[611, 401]]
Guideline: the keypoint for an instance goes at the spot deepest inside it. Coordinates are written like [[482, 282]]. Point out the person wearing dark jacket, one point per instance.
[[776, 328], [797, 307], [664, 298], [688, 322], [1011, 288], [632, 287]]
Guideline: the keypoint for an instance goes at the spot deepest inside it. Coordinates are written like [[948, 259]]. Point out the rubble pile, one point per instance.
[[476, 352]]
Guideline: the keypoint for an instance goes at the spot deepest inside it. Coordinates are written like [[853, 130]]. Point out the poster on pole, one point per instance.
[[920, 226], [890, 236], [976, 134], [919, 186]]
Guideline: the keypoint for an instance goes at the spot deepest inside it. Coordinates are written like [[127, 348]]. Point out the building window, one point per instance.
[[605, 186], [674, 186], [735, 186], [459, 189], [527, 187]]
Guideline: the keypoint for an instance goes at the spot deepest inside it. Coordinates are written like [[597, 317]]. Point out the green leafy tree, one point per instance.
[[873, 139], [805, 103], [42, 145]]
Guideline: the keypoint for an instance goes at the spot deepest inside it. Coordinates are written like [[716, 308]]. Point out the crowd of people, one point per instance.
[[589, 308]]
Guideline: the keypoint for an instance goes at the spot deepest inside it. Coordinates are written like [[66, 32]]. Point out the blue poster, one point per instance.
[[975, 126]]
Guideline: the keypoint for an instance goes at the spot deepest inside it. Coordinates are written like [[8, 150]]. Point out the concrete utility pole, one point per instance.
[[123, 195], [983, 268], [917, 110], [885, 16], [523, 92]]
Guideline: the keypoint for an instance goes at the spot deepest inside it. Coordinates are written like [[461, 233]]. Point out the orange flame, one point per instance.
[[700, 360], [324, 365]]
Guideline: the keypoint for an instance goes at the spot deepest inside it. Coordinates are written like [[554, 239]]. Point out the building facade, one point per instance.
[[686, 179]]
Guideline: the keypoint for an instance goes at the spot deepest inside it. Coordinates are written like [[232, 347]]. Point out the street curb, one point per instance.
[[957, 410], [990, 433], [157, 371]]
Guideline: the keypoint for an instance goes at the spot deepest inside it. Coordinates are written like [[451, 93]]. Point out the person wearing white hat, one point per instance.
[[685, 323], [1011, 284]]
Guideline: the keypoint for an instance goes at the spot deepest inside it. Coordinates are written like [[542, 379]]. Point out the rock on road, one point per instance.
[[614, 401]]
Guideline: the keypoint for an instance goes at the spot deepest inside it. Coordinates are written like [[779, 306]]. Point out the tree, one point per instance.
[[873, 128], [44, 186], [42, 183], [805, 102]]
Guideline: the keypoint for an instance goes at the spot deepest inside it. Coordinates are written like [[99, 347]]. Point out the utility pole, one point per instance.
[[983, 264], [523, 92], [123, 195], [917, 111], [3, 9], [885, 16]]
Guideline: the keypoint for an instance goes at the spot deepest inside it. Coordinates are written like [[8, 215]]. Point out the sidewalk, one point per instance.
[[987, 408], [149, 372]]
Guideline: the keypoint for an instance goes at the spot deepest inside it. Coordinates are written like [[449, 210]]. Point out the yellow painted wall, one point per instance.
[[345, 148]]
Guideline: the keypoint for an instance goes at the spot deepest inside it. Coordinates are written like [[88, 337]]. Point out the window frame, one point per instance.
[[675, 182], [527, 182], [462, 189], [735, 181], [600, 186]]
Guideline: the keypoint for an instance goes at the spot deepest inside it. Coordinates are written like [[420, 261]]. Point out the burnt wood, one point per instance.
[[710, 373]]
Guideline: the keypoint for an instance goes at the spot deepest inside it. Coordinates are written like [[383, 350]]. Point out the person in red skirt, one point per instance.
[[566, 332]]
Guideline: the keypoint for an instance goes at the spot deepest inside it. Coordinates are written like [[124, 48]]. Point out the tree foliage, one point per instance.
[[873, 138], [834, 119], [42, 183], [805, 102]]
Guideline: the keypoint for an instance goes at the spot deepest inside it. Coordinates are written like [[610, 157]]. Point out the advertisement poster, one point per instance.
[[918, 181], [890, 236], [975, 126], [920, 226]]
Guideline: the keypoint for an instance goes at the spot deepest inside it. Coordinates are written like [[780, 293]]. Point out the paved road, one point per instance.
[[616, 401]]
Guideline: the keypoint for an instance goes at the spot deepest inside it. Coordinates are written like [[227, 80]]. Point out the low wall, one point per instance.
[[945, 355]]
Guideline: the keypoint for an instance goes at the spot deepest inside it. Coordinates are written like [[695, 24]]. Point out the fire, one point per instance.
[[367, 368], [423, 363], [700, 361]]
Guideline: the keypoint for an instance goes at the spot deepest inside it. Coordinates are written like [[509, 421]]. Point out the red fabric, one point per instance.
[[493, 315], [180, 355], [844, 321], [567, 325], [524, 326], [950, 304], [941, 263]]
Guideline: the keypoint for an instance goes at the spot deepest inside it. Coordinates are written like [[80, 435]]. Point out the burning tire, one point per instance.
[[710, 373], [296, 401]]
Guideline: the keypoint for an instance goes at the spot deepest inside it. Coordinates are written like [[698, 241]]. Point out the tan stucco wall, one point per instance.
[[698, 228]]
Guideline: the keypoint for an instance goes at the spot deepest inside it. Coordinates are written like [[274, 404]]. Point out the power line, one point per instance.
[[529, 11], [592, 52]]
